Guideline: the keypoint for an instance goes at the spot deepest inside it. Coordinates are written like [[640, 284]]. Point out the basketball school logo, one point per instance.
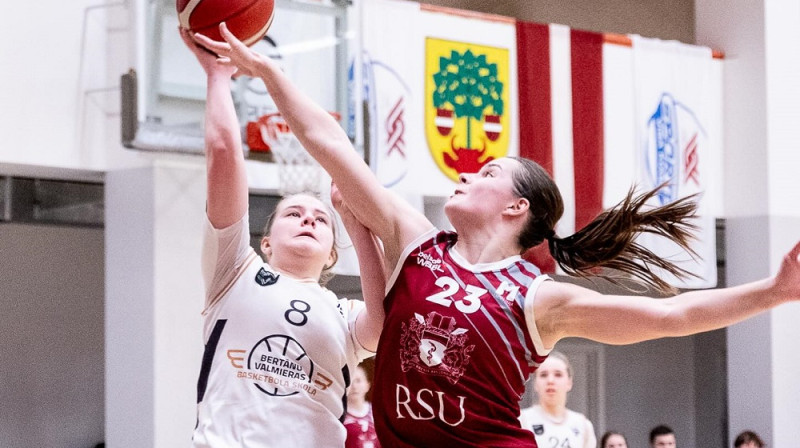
[[671, 150], [434, 346], [278, 366], [466, 95], [283, 366]]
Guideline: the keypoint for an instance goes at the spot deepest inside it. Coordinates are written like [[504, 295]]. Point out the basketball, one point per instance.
[[248, 20]]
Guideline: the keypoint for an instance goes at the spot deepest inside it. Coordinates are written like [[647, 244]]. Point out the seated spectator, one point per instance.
[[662, 436], [613, 439], [748, 439]]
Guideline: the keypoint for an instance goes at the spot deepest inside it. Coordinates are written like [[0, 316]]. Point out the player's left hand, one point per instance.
[[206, 58], [233, 52]]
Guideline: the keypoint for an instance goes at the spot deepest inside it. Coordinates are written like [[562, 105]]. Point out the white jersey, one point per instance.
[[278, 352], [576, 431]]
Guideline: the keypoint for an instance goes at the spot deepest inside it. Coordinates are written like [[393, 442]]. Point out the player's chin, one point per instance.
[[453, 201], [306, 246]]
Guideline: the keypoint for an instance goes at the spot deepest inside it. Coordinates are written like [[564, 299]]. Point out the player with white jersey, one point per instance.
[[456, 338], [279, 347], [553, 425], [574, 430]]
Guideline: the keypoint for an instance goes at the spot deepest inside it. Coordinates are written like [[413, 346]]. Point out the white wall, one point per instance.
[[59, 85], [762, 63], [51, 355]]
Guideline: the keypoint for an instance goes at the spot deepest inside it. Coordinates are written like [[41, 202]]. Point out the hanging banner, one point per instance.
[[674, 100], [439, 93]]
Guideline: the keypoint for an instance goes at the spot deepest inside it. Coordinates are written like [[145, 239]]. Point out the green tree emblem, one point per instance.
[[470, 86]]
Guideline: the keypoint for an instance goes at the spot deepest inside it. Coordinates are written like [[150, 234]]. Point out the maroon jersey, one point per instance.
[[456, 350], [360, 431]]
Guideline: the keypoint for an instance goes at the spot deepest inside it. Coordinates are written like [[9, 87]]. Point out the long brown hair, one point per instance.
[[609, 240]]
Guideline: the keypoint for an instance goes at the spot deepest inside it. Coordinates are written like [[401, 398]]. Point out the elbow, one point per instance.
[[675, 323], [221, 144]]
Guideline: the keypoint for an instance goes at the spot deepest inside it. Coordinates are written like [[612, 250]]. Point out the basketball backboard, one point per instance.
[[164, 95]]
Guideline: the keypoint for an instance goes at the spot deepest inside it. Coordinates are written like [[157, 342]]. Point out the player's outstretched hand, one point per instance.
[[207, 59], [787, 281], [232, 52]]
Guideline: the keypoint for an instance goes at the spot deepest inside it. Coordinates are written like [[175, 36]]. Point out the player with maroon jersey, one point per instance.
[[358, 421], [466, 319]]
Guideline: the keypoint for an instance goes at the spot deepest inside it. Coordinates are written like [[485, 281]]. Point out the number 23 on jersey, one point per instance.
[[471, 300]]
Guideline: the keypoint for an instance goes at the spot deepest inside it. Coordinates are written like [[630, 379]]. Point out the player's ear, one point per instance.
[[517, 207], [266, 249], [332, 259]]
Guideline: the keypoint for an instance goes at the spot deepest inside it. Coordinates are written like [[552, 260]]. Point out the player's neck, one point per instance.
[[556, 412], [357, 406], [482, 247], [486, 242], [297, 268]]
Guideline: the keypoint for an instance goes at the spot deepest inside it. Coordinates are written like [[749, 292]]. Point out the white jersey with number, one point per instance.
[[575, 431], [278, 352]]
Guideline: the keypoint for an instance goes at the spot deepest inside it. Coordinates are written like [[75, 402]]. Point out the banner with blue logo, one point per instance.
[[676, 112]]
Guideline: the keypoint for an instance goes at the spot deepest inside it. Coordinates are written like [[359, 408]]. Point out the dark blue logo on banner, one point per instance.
[[670, 151]]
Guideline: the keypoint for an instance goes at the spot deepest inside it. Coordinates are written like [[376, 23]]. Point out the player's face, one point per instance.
[[485, 194], [302, 227], [552, 382], [616, 441], [359, 386], [664, 441]]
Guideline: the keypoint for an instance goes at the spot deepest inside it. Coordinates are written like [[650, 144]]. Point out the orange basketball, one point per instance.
[[248, 20]]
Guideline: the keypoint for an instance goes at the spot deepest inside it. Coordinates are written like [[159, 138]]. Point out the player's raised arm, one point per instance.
[[373, 277], [565, 310], [391, 218], [227, 177]]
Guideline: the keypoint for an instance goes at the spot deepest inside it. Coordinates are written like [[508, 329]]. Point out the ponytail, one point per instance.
[[609, 240]]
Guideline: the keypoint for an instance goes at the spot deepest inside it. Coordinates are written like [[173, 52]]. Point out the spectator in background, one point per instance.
[[748, 439], [613, 439], [662, 436], [552, 423], [358, 421]]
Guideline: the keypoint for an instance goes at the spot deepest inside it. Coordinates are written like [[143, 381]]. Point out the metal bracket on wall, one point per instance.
[[53, 202]]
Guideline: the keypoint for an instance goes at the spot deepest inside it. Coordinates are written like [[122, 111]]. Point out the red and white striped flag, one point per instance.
[[561, 118]]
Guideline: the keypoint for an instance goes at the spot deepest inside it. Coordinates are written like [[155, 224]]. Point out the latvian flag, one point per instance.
[[587, 124]]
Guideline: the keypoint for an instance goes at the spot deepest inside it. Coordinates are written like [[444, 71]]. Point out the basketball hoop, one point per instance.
[[298, 172]]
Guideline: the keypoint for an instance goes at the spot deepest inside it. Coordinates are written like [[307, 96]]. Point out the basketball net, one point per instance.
[[298, 172]]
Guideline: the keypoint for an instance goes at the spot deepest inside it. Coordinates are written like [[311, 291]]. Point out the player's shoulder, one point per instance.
[[532, 411], [349, 306], [435, 237], [577, 416]]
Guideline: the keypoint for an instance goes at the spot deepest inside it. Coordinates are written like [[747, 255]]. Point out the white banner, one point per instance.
[[676, 102]]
